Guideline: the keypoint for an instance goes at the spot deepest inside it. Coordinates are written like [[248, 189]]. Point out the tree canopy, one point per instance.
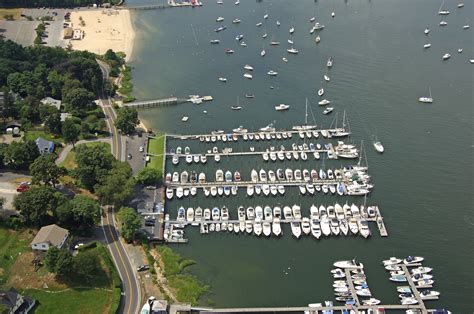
[[131, 223], [44, 170], [19, 155], [93, 164], [70, 131], [127, 120], [80, 214], [58, 261], [149, 176], [117, 186]]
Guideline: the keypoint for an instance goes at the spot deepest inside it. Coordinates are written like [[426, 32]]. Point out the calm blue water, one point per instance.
[[424, 180]]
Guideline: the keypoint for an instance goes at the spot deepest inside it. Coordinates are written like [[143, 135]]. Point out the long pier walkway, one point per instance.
[[351, 286], [155, 103]]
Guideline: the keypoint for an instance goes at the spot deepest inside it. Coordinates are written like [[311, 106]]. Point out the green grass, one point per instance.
[[188, 288], [34, 134], [70, 161], [105, 297], [156, 146], [126, 87], [12, 243]]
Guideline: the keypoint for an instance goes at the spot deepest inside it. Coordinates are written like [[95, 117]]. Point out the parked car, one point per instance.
[[143, 267], [22, 188], [141, 149], [78, 245], [150, 222]]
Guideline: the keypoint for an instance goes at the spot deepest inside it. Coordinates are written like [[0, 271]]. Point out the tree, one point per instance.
[[20, 155], [79, 214], [117, 186], [37, 204], [70, 131], [149, 176], [58, 261], [3, 149], [86, 265], [78, 98], [131, 223], [127, 120], [44, 170], [93, 164]]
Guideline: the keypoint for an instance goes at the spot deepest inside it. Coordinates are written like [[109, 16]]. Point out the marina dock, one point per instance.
[[196, 99]]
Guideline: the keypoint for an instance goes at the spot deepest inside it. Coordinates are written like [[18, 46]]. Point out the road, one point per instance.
[[131, 299]]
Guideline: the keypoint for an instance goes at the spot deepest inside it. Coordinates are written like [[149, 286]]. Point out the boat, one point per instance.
[[265, 16], [248, 76], [248, 67], [409, 301], [290, 42], [326, 78], [292, 30], [392, 261], [334, 225], [460, 50], [317, 39], [264, 35], [274, 43], [229, 51], [296, 229], [446, 56], [461, 4], [349, 264], [282, 107], [220, 19], [169, 193], [214, 41], [248, 226], [324, 102], [292, 50], [272, 73], [398, 278], [222, 79], [421, 270], [236, 21], [426, 46], [329, 63], [321, 92], [181, 214], [276, 227], [239, 37], [249, 96], [219, 175], [427, 31], [410, 260], [306, 225], [263, 175], [284, 60], [267, 228], [296, 211], [278, 23], [371, 301], [259, 24], [328, 110], [316, 228], [235, 108], [220, 29], [257, 228], [262, 53], [378, 146], [466, 27]]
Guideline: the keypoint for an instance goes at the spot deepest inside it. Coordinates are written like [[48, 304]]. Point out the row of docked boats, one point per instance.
[[355, 274], [420, 276], [270, 133], [323, 221]]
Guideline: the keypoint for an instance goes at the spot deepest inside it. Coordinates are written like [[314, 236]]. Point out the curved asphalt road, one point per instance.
[[131, 299]]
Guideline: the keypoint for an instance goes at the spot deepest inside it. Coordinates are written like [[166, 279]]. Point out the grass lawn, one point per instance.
[[70, 160], [156, 146], [15, 12], [34, 134], [12, 244]]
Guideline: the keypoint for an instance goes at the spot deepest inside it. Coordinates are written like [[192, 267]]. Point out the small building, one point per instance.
[[49, 236], [44, 146], [154, 306], [64, 116], [68, 32], [77, 34], [15, 302], [51, 102]]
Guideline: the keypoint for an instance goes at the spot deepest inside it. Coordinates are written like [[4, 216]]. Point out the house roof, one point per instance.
[[44, 145], [13, 123], [52, 234], [8, 298], [52, 102]]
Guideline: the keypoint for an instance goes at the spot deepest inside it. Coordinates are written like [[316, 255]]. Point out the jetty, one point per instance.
[[154, 103]]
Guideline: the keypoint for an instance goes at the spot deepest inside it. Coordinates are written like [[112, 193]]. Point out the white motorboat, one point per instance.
[[278, 23], [250, 213], [364, 293], [258, 213], [296, 229], [306, 225], [257, 228], [292, 50], [259, 24], [409, 301], [461, 4], [214, 41], [222, 79], [326, 78], [371, 301], [410, 260], [284, 60], [236, 21], [292, 30], [427, 31], [329, 63], [248, 76], [378, 147], [344, 226], [392, 261], [426, 99], [325, 226], [263, 52], [321, 92], [443, 23], [248, 226], [263, 175], [364, 228], [316, 228], [276, 227], [282, 107], [296, 211], [219, 175], [426, 46], [267, 228], [190, 214], [324, 102], [429, 294], [248, 67], [220, 19], [239, 37], [460, 50], [181, 214], [272, 73], [446, 56], [169, 193], [224, 213], [281, 189], [328, 110], [349, 264], [317, 39], [421, 270]]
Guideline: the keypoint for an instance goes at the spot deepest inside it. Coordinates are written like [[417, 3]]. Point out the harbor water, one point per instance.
[[423, 181]]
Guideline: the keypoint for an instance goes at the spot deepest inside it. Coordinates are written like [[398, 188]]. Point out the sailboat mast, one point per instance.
[[306, 113]]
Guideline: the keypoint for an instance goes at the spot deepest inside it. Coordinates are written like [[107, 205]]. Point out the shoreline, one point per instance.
[[104, 29]]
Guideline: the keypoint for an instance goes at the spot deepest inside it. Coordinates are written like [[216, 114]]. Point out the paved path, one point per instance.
[[62, 156], [131, 300]]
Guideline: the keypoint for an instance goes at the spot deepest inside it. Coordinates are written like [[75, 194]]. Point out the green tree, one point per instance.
[[56, 82], [70, 131], [59, 261], [86, 265], [3, 149], [93, 164], [78, 98], [80, 214], [44, 170], [149, 176], [131, 223], [21, 155], [127, 120], [117, 186], [37, 204]]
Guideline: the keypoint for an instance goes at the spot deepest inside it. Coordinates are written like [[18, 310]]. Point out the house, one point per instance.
[[44, 146], [15, 303], [51, 102], [49, 236]]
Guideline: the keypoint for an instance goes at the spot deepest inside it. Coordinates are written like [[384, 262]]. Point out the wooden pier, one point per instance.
[[354, 295], [155, 103], [198, 185], [380, 223]]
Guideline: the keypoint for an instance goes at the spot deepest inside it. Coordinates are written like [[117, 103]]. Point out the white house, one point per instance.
[[49, 236], [51, 102]]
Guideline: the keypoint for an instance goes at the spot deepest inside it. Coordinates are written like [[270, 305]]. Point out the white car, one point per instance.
[[141, 149]]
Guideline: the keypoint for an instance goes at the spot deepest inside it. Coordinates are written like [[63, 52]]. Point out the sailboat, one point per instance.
[[262, 53], [274, 42], [428, 100], [441, 11], [305, 127], [237, 107]]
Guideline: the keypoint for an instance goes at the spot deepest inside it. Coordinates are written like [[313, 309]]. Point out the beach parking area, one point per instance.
[[103, 29]]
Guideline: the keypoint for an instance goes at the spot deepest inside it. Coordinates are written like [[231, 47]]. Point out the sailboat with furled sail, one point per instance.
[[305, 127], [427, 100]]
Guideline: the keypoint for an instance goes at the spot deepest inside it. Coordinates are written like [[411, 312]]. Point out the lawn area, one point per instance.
[[15, 12], [34, 134], [12, 244], [156, 146], [70, 160]]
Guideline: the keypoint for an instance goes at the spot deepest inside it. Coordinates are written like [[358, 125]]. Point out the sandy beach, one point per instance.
[[104, 29]]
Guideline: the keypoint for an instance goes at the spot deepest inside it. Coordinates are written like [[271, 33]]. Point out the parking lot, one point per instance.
[[148, 203], [135, 150]]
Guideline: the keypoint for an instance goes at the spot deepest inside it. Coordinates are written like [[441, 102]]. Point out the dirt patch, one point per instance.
[[162, 281]]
